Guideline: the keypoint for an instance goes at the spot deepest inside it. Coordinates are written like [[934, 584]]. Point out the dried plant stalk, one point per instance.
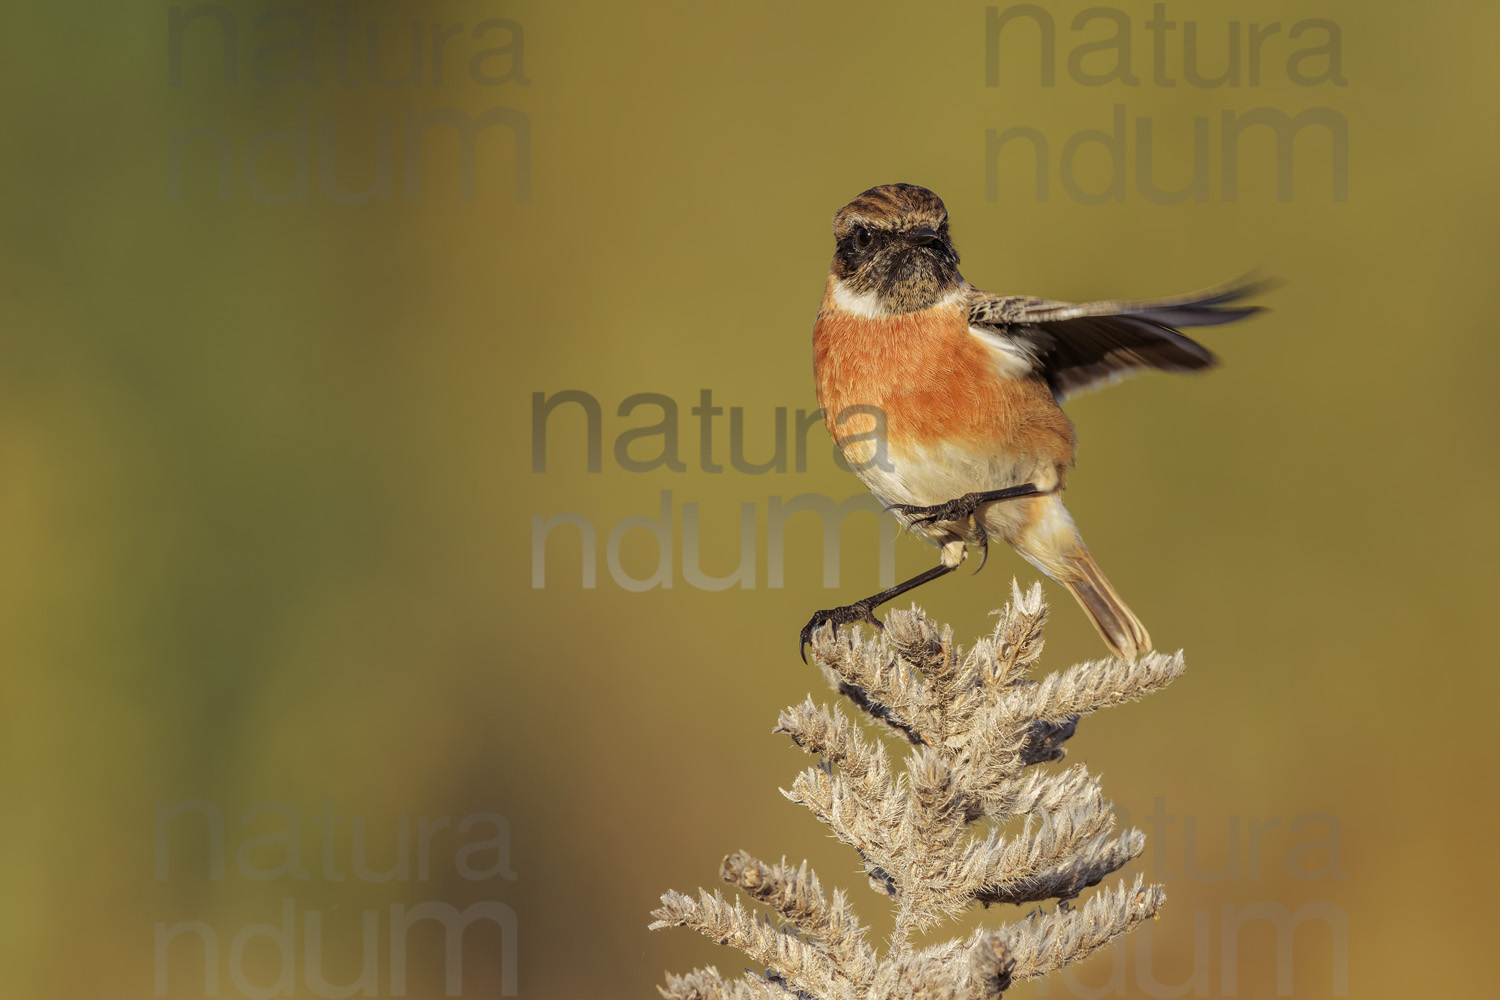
[[967, 819]]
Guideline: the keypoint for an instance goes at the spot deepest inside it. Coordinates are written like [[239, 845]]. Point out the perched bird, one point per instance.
[[944, 399]]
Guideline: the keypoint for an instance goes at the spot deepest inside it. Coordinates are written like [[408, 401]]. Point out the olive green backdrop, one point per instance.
[[267, 482]]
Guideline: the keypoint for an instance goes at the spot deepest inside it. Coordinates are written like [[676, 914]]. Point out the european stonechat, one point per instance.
[[945, 399]]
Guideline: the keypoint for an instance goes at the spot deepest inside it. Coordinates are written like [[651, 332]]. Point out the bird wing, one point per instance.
[[1080, 346]]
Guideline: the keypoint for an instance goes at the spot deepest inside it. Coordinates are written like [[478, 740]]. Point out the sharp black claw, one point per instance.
[[981, 542]]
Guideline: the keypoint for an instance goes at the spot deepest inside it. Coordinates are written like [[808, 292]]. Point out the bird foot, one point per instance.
[[964, 508], [849, 614]]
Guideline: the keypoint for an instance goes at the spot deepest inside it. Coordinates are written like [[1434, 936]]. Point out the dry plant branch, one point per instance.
[[967, 818]]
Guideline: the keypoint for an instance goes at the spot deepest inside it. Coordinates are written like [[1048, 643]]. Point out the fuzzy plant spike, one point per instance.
[[965, 817]]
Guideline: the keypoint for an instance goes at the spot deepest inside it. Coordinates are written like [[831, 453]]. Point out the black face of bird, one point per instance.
[[892, 241]]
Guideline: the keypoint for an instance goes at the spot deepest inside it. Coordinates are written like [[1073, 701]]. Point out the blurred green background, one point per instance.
[[266, 515]]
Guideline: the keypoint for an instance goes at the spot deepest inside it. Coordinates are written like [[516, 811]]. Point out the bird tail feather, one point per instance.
[[1121, 630]]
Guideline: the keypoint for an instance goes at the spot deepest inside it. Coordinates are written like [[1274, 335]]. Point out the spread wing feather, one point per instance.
[[1078, 346]]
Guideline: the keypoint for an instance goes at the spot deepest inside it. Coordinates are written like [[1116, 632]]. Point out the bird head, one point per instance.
[[892, 249]]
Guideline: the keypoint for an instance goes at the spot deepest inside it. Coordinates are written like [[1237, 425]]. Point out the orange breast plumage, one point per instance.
[[933, 382]]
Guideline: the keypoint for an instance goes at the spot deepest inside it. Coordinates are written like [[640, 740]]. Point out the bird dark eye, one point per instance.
[[862, 238]]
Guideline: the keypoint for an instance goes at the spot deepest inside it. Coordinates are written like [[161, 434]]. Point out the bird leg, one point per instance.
[[864, 611], [966, 508]]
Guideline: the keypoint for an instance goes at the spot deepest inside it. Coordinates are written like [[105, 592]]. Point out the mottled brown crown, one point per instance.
[[892, 241], [891, 206]]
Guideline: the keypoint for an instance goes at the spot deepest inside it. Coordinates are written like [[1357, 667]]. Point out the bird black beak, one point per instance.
[[923, 235]]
